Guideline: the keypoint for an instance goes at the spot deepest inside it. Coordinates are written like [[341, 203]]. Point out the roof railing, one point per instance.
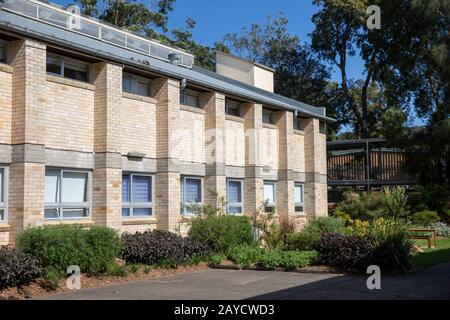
[[61, 18]]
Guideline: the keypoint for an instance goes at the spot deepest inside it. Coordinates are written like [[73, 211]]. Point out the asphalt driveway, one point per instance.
[[431, 283]]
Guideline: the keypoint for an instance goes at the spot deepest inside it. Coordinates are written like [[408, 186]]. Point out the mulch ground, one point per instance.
[[38, 288]]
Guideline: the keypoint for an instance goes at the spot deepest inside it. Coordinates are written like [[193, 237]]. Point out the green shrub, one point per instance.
[[395, 202], [16, 268], [160, 247], [217, 259], [94, 250], [221, 232], [361, 205], [392, 248], [442, 229], [297, 259], [245, 255], [51, 278], [434, 196], [307, 238], [424, 218], [271, 259]]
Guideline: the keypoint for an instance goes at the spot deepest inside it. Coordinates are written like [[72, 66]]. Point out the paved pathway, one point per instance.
[[431, 283]]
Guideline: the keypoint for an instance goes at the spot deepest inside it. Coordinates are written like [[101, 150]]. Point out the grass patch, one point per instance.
[[432, 256]]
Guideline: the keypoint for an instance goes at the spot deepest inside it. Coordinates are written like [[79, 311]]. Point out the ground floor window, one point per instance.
[[67, 194], [191, 193], [235, 196], [270, 188], [298, 197], [137, 195], [3, 193]]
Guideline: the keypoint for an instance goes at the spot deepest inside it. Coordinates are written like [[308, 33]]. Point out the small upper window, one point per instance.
[[3, 51], [298, 125], [136, 84], [190, 98], [190, 194], [67, 67], [268, 117], [232, 108]]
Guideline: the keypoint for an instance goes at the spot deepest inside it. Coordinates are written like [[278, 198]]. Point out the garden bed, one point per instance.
[[317, 269], [38, 288]]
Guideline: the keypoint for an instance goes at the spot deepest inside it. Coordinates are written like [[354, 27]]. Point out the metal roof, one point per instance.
[[53, 34]]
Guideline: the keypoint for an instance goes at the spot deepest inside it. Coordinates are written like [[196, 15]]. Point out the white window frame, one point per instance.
[[184, 205], [60, 206], [270, 114], [138, 205], [233, 104], [236, 204], [133, 77], [193, 93], [274, 204], [4, 204], [299, 204], [64, 59], [4, 45]]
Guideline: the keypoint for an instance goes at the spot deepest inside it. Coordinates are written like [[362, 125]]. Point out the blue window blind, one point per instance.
[[193, 190], [125, 188], [142, 189], [234, 191]]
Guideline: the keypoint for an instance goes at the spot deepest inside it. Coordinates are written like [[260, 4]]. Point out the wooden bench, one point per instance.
[[423, 234]]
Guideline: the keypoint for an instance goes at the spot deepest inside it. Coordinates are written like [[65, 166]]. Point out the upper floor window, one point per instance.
[[268, 116], [270, 197], [190, 98], [3, 194], [3, 51], [136, 84], [232, 108], [191, 193], [298, 197], [137, 195], [67, 67], [235, 196], [67, 194], [298, 125]]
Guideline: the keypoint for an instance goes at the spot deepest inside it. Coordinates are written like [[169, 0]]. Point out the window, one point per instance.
[[3, 193], [232, 108], [235, 196], [298, 125], [270, 195], [191, 193], [137, 195], [267, 116], [3, 51], [67, 67], [298, 197], [135, 84], [190, 98], [67, 194]]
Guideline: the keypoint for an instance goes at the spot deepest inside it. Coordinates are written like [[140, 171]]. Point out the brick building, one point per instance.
[[102, 127]]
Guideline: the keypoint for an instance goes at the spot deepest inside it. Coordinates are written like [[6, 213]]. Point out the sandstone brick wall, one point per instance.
[[40, 112], [138, 127]]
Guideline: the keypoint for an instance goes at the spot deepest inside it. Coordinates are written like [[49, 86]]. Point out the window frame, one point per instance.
[[138, 205], [298, 124], [271, 116], [270, 206], [5, 45], [63, 60], [183, 205], [235, 204], [134, 77], [299, 204], [70, 205], [4, 189], [196, 94], [237, 106]]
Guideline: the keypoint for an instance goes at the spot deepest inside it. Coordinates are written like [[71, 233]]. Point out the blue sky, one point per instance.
[[215, 18]]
